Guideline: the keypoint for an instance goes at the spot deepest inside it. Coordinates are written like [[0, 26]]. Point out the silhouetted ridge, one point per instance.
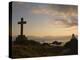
[[46, 45], [56, 43], [23, 48], [72, 45], [22, 39]]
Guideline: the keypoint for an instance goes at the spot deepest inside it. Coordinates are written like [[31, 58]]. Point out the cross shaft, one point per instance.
[[21, 23]]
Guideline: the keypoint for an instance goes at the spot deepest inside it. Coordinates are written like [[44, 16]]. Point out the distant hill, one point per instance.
[[49, 39]]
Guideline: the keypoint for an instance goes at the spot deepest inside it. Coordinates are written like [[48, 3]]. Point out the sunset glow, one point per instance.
[[45, 19]]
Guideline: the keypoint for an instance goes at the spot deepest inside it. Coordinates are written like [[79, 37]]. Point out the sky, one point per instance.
[[45, 19]]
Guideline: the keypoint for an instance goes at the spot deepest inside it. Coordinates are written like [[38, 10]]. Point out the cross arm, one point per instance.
[[22, 22]]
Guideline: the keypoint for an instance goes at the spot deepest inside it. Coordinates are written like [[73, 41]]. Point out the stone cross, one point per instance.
[[21, 23]]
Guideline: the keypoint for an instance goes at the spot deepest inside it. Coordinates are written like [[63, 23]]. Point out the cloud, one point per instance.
[[64, 8], [72, 21], [56, 9], [44, 11], [67, 21], [59, 14]]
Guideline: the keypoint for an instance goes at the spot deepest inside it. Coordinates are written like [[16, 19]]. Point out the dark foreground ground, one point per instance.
[[24, 48]]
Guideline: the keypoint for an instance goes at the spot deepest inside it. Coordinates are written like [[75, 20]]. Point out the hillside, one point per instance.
[[23, 48]]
